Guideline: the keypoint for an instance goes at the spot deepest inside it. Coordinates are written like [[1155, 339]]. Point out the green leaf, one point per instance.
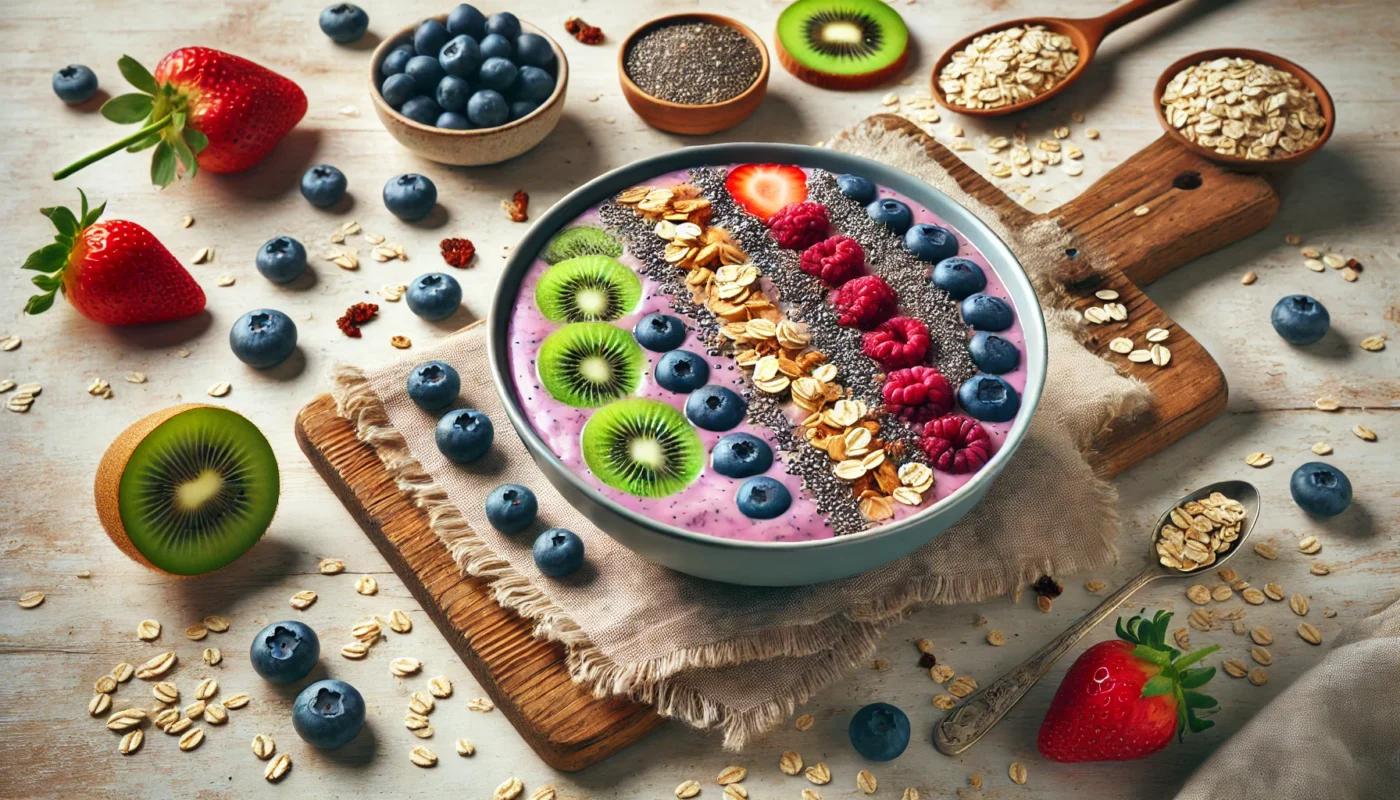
[[47, 282], [1191, 658], [1196, 678], [149, 141], [83, 195], [163, 165], [127, 109], [1157, 685], [137, 75], [93, 215], [63, 219], [1196, 724], [39, 303], [182, 152], [196, 140], [49, 258], [1198, 700], [1152, 654]]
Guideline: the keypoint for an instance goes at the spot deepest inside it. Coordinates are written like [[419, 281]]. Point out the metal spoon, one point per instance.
[[964, 725]]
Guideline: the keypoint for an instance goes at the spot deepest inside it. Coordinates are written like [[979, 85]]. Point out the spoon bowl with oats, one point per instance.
[[1200, 532]]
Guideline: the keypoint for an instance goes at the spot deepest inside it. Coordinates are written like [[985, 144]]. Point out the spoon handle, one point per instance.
[[964, 725], [1096, 28]]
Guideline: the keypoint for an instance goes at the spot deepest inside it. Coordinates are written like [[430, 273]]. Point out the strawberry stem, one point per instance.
[[98, 155]]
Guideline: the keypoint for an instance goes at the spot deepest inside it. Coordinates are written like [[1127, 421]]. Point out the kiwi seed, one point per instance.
[[642, 447]]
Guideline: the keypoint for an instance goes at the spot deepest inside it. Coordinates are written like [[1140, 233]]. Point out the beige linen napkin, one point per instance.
[[742, 658]]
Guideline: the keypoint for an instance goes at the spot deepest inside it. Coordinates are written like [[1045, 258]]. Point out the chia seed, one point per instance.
[[693, 63]]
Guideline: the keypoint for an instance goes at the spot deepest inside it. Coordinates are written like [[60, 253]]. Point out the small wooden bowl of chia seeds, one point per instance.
[[693, 73]]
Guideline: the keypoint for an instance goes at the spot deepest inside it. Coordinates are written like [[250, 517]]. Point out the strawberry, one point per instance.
[[1125, 699], [764, 189], [113, 272], [201, 108]]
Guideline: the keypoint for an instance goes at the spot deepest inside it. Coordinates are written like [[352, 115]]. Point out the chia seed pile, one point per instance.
[[693, 63]]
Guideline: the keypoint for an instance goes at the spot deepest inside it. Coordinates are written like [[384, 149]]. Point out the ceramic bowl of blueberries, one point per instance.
[[746, 560], [468, 88]]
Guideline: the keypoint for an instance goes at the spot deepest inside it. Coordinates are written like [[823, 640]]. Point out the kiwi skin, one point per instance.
[[107, 484], [843, 80]]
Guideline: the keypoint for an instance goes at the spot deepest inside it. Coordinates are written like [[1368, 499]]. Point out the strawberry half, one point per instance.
[[1125, 699], [113, 272], [201, 109], [764, 189]]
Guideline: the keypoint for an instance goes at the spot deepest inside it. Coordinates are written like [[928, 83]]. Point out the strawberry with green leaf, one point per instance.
[[200, 109], [1125, 699], [113, 272]]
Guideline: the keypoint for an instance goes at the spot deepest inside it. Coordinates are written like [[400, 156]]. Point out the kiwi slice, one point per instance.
[[587, 289], [589, 364], [581, 240], [842, 44], [643, 447], [188, 489]]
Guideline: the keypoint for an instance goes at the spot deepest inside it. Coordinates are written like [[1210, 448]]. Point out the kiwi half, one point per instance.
[[643, 447], [589, 364], [587, 289], [842, 44], [581, 240], [188, 489]]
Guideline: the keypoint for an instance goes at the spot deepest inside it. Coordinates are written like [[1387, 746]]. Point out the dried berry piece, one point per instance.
[[1047, 586], [518, 207], [457, 252], [582, 31], [355, 316]]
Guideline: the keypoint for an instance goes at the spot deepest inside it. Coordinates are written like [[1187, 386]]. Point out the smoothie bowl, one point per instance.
[[767, 364]]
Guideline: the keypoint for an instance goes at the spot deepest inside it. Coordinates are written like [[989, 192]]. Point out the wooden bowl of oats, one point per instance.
[[1277, 114]]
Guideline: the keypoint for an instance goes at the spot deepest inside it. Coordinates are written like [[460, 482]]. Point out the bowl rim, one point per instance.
[[561, 82], [1324, 103], [760, 82], [996, 251]]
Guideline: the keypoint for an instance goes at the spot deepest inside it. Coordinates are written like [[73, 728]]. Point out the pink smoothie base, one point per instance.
[[707, 505]]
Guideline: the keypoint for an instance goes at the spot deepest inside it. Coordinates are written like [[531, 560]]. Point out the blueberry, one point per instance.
[[558, 552], [75, 84], [742, 455], [993, 354], [426, 73], [423, 110], [263, 338], [1320, 489], [284, 652], [488, 109], [504, 23], [891, 213], [497, 46], [430, 37], [451, 120], [715, 408], [398, 89], [460, 57], [464, 435], [344, 23], [1300, 319], [930, 242], [659, 332], [511, 508], [466, 20], [433, 385], [453, 93], [534, 84], [989, 398], [281, 260], [520, 109], [984, 312], [533, 50], [959, 277], [763, 498], [856, 187], [434, 296], [410, 196], [682, 371], [328, 714], [880, 732], [395, 61], [323, 185], [497, 73]]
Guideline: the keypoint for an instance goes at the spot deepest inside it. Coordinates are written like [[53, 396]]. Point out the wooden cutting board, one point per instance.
[[1193, 207]]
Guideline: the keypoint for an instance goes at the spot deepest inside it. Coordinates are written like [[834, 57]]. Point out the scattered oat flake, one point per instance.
[[277, 767], [465, 748], [1092, 133], [1322, 448], [1259, 459], [688, 789], [136, 377], [1327, 404], [1364, 433], [224, 280], [401, 342], [508, 790], [186, 221], [31, 599], [1017, 772], [366, 585], [1249, 277], [805, 722], [8, 343], [482, 704], [1373, 343], [350, 111], [583, 32], [202, 256], [303, 600], [220, 389]]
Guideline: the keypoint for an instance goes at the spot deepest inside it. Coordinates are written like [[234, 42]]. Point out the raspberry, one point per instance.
[[799, 225], [918, 394], [900, 342], [835, 260], [866, 301], [956, 444]]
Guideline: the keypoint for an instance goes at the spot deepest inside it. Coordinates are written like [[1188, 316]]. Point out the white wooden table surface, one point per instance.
[[1343, 201]]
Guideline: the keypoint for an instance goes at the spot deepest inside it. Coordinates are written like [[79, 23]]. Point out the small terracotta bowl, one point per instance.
[[693, 119], [1238, 163], [477, 147]]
